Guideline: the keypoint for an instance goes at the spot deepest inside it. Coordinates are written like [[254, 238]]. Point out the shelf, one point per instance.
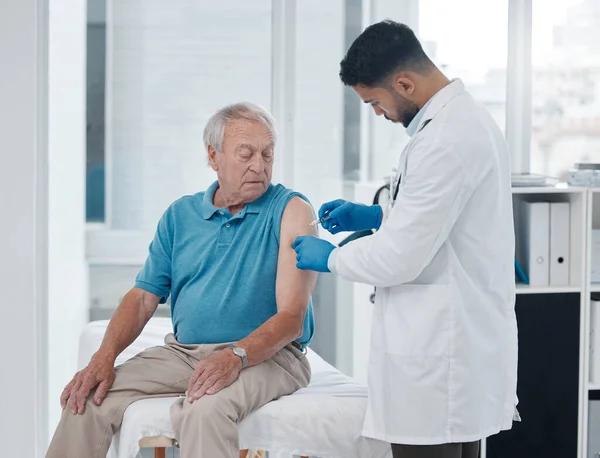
[[594, 387], [526, 289], [558, 189], [595, 288]]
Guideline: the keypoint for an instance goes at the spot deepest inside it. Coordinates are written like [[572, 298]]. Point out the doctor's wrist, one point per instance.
[[331, 261], [378, 213]]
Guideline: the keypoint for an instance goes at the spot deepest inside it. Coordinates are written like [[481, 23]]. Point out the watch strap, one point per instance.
[[243, 356]]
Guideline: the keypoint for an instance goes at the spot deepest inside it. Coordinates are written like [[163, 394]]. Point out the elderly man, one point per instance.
[[241, 310]]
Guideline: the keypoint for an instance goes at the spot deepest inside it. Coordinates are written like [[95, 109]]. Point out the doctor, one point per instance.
[[443, 362]]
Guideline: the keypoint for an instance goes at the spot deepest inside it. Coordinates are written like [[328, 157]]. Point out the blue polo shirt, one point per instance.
[[219, 269]]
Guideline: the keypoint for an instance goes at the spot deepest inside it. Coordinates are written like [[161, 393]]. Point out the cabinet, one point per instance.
[[553, 385]]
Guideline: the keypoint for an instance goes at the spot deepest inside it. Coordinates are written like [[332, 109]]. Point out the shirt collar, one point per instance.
[[435, 104], [414, 124], [208, 209]]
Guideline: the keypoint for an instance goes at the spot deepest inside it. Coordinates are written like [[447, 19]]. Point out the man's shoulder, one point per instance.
[[186, 204], [290, 209], [296, 205], [288, 195]]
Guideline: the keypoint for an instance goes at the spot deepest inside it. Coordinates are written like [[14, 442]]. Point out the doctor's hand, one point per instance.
[[348, 216], [99, 374], [213, 373], [312, 253]]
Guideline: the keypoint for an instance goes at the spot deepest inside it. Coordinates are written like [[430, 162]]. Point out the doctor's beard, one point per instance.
[[405, 110]]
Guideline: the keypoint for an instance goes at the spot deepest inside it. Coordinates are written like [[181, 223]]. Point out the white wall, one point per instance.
[[67, 287], [23, 227]]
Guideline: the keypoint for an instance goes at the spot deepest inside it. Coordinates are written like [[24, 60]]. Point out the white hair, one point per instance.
[[214, 132]]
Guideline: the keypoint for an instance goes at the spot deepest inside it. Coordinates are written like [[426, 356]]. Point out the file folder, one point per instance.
[[560, 222], [535, 242], [593, 428]]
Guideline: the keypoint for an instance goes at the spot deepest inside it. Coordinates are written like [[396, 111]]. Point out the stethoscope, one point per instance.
[[397, 177], [395, 184], [392, 187]]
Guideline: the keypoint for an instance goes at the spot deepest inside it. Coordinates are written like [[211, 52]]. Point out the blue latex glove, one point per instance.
[[348, 216], [312, 253]]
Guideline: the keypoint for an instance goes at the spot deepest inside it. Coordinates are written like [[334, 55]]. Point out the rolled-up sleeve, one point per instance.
[[155, 276]]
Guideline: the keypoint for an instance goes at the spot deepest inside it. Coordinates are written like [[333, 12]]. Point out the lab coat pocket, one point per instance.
[[418, 321]]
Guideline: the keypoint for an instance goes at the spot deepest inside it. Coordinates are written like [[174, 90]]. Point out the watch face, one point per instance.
[[239, 351]]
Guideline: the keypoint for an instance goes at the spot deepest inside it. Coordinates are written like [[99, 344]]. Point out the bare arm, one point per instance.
[[293, 289], [125, 326], [127, 323]]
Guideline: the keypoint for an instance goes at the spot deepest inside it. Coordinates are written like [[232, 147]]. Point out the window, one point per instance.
[[467, 39], [472, 50], [165, 76], [566, 85], [96, 85]]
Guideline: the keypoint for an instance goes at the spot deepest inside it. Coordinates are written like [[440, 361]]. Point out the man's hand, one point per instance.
[[214, 373], [99, 373], [312, 253]]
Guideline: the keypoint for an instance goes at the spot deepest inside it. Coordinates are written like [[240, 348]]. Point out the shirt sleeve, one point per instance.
[[431, 198], [155, 276]]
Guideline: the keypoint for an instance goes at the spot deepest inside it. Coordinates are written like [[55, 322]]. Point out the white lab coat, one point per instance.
[[443, 361]]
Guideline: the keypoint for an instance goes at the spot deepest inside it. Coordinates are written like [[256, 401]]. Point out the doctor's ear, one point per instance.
[[403, 85]]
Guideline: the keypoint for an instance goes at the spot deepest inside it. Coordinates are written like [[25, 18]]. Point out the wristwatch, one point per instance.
[[239, 351]]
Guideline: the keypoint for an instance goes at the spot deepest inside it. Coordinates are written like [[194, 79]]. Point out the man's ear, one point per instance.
[[212, 158], [404, 85]]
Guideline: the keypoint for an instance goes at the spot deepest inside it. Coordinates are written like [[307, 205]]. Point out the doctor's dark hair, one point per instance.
[[382, 49]]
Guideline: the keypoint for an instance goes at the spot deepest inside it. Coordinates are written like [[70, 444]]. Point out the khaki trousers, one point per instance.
[[205, 429]]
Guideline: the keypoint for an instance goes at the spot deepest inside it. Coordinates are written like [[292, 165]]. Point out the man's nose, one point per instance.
[[258, 164], [378, 111]]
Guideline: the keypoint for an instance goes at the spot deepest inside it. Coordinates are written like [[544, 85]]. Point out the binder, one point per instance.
[[520, 274], [559, 243], [593, 428], [595, 256], [535, 242], [594, 342]]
